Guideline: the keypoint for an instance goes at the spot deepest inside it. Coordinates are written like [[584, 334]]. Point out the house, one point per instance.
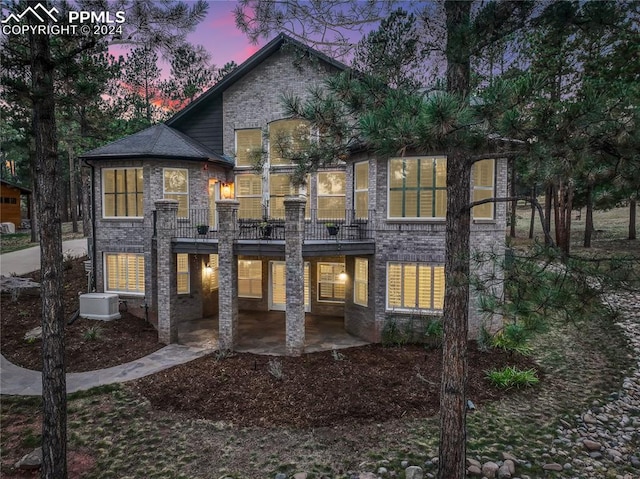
[[188, 226], [11, 196]]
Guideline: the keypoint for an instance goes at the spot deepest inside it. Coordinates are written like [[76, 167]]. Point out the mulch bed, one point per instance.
[[119, 341], [368, 384]]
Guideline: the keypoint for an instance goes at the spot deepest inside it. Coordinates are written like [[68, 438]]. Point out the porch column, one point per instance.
[[167, 289], [228, 274], [294, 238]]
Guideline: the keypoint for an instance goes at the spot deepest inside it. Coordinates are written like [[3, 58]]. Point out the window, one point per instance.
[[176, 187], [182, 274], [249, 278], [279, 189], [124, 273], [331, 282], [247, 142], [286, 138], [413, 286], [361, 189], [417, 187], [331, 198], [122, 193], [361, 282], [213, 271], [483, 188], [249, 194]]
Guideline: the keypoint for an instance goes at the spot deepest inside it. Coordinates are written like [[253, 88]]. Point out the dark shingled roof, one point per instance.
[[158, 141]]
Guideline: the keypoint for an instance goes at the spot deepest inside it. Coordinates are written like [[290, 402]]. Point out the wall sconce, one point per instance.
[[207, 268], [342, 276], [226, 191]]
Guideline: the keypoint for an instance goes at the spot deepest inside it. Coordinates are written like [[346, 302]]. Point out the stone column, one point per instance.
[[228, 272], [166, 222], [294, 238]]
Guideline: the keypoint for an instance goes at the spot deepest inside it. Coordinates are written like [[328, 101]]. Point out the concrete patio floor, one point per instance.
[[264, 333]]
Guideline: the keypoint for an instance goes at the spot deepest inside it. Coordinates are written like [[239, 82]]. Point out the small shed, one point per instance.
[[10, 203]]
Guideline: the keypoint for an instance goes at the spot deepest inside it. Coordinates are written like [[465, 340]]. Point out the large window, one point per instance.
[[182, 274], [331, 195], [176, 187], [361, 189], [247, 142], [286, 139], [361, 282], [412, 286], [279, 189], [417, 187], [249, 278], [122, 193], [331, 282], [249, 194], [484, 188], [124, 273]]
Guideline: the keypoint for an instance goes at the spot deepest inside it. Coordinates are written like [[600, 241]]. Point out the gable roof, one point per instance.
[[269, 49], [157, 141], [13, 185]]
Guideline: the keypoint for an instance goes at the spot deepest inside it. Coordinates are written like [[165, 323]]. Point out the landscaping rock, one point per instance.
[[281, 475], [490, 469], [31, 461], [507, 456], [33, 334], [413, 472], [511, 465], [504, 472], [300, 475], [474, 470], [473, 462], [552, 467]]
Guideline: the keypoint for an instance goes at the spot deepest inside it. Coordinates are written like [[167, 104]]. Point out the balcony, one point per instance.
[[341, 228]]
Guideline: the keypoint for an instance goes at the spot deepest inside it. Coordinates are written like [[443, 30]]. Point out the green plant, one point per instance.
[[510, 377], [275, 369], [513, 337], [392, 334], [93, 333], [337, 355]]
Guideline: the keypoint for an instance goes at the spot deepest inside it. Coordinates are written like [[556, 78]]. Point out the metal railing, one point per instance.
[[319, 225]]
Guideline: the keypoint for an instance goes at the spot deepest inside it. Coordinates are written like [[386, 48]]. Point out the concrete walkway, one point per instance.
[[17, 381], [28, 260]]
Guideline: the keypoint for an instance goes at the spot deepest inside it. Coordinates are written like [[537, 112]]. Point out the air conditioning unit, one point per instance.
[[101, 306]]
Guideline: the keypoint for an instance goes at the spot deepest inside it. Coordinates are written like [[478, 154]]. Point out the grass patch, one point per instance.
[[512, 377]]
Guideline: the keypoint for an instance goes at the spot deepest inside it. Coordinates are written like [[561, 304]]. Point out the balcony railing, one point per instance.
[[319, 225]]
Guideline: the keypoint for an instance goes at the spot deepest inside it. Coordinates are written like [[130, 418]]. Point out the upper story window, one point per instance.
[[175, 186], [484, 188], [361, 189], [331, 195], [249, 194], [279, 188], [122, 193], [412, 286], [247, 143], [286, 138], [124, 273], [417, 187]]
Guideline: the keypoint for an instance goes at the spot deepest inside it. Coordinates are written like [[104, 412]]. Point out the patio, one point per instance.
[[263, 332]]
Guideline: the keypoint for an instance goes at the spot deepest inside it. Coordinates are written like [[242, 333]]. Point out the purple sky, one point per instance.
[[218, 34]]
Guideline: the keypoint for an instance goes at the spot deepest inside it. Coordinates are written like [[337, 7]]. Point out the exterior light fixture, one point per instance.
[[226, 191]]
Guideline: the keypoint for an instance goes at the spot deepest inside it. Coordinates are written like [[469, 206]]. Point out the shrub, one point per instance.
[[510, 377], [513, 337], [275, 369], [93, 333]]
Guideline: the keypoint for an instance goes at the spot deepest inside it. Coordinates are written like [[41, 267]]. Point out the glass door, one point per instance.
[[278, 286]]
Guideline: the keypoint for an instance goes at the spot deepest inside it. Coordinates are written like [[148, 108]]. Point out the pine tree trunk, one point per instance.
[[514, 203], [73, 190], [452, 454], [548, 200], [532, 222], [47, 198], [632, 218], [455, 323], [588, 223]]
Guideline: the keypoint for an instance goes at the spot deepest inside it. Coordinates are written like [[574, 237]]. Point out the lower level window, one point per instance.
[[331, 282], [412, 286], [124, 272], [249, 278], [182, 274]]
